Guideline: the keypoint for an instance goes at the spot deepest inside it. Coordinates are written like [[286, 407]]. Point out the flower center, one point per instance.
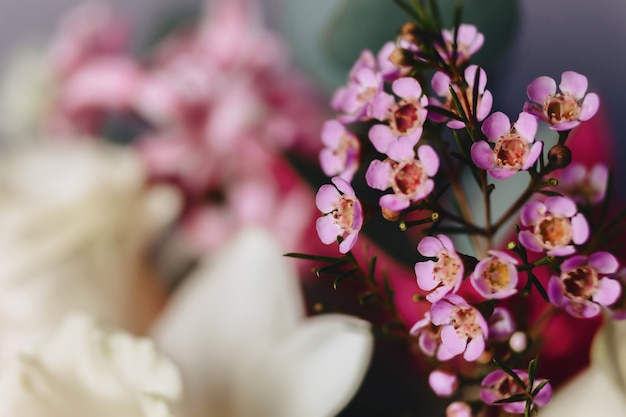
[[554, 231], [405, 118], [560, 108], [344, 213], [347, 149], [496, 274], [580, 283], [511, 151], [507, 387], [446, 268], [409, 178], [465, 322]]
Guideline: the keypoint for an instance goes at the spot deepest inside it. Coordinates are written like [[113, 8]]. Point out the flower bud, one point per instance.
[[408, 32], [401, 57], [518, 342], [443, 383], [459, 409], [391, 215], [559, 156]]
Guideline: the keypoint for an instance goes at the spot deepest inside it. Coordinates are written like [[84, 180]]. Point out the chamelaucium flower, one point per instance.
[[583, 285], [446, 176], [409, 178], [443, 276], [342, 214], [441, 83], [499, 385], [513, 149], [554, 226], [564, 110], [340, 156]]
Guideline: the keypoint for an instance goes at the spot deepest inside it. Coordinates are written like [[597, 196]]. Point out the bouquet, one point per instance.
[[417, 142]]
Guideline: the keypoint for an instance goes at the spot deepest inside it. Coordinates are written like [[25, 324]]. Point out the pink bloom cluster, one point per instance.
[[396, 116], [210, 111]]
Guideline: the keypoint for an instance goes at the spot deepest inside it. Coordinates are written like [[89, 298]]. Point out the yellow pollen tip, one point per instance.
[[511, 245], [434, 217]]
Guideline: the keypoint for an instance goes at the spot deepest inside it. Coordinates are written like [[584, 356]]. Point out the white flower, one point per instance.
[[599, 390], [238, 332], [27, 87], [76, 220], [83, 370]]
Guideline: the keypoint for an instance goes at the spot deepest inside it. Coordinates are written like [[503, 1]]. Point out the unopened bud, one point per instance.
[[518, 342], [401, 57], [559, 156], [391, 215], [407, 32], [459, 409]]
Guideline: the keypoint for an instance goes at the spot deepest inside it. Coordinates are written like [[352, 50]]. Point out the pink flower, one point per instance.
[[342, 214], [566, 109], [495, 277], [463, 330], [443, 276], [553, 226], [459, 409], [584, 185], [469, 41], [441, 83], [406, 117], [365, 82], [499, 385], [443, 383], [583, 285], [340, 157], [409, 178], [429, 338], [514, 149], [501, 324]]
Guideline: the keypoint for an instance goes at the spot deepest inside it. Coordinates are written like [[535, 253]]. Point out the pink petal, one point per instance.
[[441, 83], [590, 106], [540, 88], [484, 105], [424, 274], [326, 197], [343, 186], [474, 349], [470, 75], [348, 243], [573, 263], [555, 292], [561, 206], [483, 155], [584, 309], [603, 262], [381, 137], [394, 202], [406, 87], [466, 33], [526, 126], [380, 106], [496, 126], [429, 159], [544, 396], [430, 246], [502, 173], [440, 312], [452, 341], [580, 229], [560, 127], [401, 149], [529, 241], [608, 291], [327, 229], [330, 163], [533, 155], [574, 84], [532, 213], [331, 132], [378, 175]]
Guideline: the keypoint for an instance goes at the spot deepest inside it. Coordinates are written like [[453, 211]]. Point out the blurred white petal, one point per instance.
[[238, 322]]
